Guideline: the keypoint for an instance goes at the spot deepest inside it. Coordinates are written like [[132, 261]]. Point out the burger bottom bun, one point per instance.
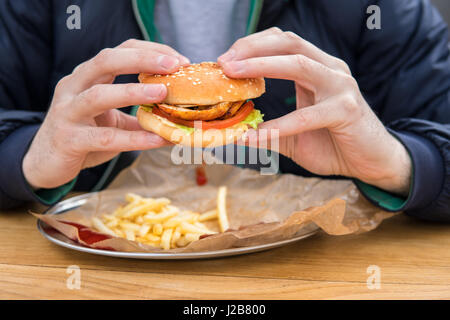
[[199, 138]]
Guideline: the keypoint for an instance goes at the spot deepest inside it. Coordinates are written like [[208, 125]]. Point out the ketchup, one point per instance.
[[201, 176], [87, 235]]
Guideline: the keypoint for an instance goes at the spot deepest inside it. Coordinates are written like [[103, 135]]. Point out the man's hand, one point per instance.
[[82, 128], [333, 131]]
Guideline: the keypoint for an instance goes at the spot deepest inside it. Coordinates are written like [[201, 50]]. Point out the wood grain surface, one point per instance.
[[413, 257]]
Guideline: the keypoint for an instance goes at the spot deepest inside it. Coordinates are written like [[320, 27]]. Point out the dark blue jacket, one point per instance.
[[403, 71]]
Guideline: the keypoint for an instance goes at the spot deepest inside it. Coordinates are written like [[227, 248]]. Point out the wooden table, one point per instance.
[[413, 257]]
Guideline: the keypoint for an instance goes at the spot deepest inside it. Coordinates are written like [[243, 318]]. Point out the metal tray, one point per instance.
[[78, 201]]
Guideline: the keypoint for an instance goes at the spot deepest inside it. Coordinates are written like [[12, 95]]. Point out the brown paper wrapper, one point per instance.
[[261, 208]]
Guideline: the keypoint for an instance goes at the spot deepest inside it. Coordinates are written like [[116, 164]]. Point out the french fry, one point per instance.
[[130, 226], [100, 226], [139, 220], [119, 232], [108, 217], [155, 222], [112, 223], [121, 210], [132, 197], [144, 230], [191, 237], [200, 225], [165, 239], [153, 238], [182, 242], [176, 221], [222, 209], [193, 216], [159, 217], [175, 236], [129, 234], [157, 229], [190, 228], [147, 205], [209, 215]]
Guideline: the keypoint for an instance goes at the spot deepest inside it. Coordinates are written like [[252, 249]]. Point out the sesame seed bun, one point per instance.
[[205, 84], [199, 138]]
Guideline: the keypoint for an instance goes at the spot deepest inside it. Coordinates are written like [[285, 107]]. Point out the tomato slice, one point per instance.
[[242, 113]]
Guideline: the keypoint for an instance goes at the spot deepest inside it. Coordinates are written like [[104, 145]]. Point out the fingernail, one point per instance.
[[167, 62], [236, 67], [154, 91], [185, 61], [227, 56]]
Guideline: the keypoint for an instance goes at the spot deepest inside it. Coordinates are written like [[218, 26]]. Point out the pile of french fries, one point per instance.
[[155, 222]]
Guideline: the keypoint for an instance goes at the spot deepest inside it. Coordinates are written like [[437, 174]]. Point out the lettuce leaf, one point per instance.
[[187, 130], [254, 119]]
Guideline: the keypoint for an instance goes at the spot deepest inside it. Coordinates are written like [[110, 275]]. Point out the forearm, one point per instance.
[[428, 196], [398, 169], [13, 185]]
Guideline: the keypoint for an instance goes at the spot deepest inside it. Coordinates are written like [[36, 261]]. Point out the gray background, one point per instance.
[[444, 8]]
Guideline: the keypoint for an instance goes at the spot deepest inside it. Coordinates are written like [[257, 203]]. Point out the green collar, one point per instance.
[[144, 12], [254, 15]]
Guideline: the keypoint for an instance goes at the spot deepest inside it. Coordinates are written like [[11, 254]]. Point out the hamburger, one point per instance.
[[203, 107]]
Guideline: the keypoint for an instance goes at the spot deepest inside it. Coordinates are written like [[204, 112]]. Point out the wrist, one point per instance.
[[28, 169], [398, 171]]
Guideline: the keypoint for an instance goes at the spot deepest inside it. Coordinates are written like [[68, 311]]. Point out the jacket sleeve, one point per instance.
[[404, 73], [25, 64]]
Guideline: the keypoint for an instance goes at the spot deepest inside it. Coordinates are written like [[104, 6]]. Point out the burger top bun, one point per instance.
[[205, 84]]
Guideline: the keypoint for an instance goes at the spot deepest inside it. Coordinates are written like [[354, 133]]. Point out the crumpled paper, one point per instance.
[[261, 208]]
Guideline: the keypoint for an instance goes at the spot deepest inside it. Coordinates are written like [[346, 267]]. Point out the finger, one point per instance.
[[231, 53], [286, 43], [112, 62], [308, 73], [93, 139], [332, 114], [154, 46], [102, 97], [118, 119]]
